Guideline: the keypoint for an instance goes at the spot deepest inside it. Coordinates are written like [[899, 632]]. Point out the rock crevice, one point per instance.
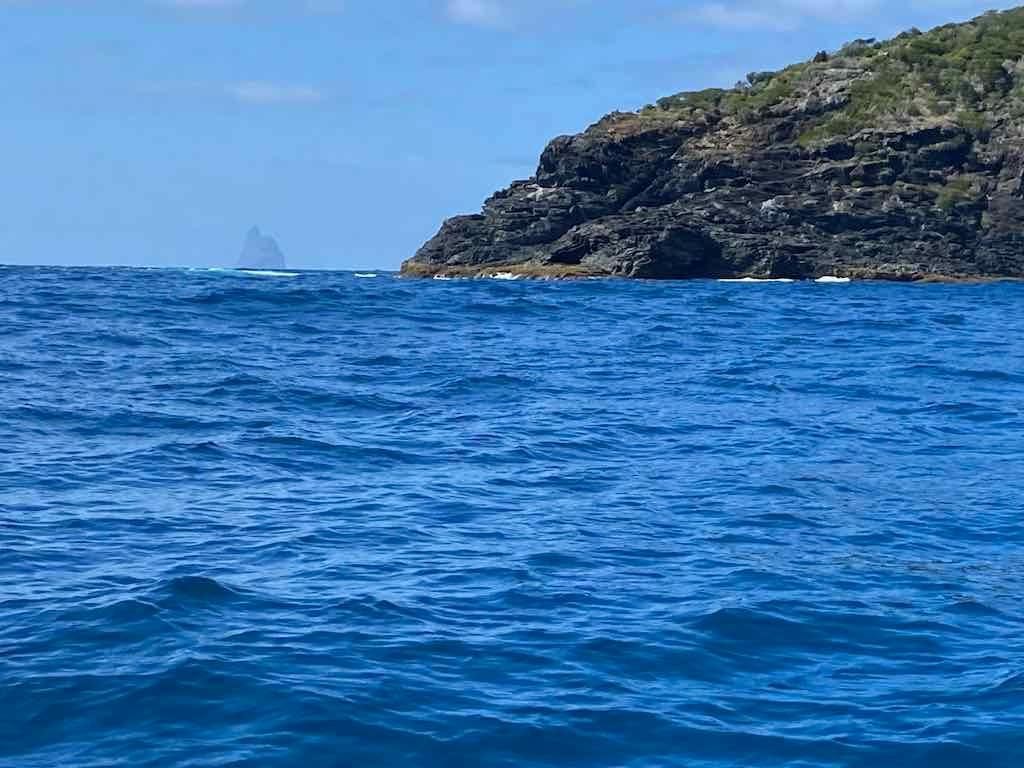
[[894, 160]]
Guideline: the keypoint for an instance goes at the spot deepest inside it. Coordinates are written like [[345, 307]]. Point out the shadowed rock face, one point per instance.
[[260, 252], [899, 160]]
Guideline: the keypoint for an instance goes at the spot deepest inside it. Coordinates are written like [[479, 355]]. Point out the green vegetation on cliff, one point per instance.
[[762, 90], [894, 160], [959, 71]]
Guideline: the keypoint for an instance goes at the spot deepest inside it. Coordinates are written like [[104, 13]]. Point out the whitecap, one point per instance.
[[504, 276], [757, 280], [266, 273], [832, 279]]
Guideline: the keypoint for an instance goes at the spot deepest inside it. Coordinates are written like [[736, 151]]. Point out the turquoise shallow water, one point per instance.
[[331, 521]]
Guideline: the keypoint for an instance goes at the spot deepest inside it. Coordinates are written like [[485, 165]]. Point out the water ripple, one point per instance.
[[327, 521]]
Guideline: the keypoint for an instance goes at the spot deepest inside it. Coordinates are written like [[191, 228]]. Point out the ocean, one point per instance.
[[328, 520]]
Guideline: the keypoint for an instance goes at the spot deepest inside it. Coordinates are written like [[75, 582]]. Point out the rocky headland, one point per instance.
[[897, 160]]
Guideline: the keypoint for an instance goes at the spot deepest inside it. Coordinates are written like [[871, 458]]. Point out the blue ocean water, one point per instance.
[[330, 521]]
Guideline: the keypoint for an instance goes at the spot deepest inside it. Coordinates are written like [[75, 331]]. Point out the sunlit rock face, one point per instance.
[[899, 160]]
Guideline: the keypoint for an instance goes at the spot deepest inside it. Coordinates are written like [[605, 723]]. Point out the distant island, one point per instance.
[[260, 252], [896, 160]]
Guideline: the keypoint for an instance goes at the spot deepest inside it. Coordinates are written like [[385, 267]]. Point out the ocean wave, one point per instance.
[[195, 589], [284, 297], [266, 273], [261, 521]]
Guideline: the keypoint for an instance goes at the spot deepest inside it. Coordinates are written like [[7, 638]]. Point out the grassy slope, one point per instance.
[[958, 71]]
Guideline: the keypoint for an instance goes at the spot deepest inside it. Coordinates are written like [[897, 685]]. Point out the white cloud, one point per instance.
[[778, 14], [741, 17], [476, 12], [257, 92]]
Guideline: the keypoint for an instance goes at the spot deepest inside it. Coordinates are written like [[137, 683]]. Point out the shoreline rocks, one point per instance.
[[854, 165]]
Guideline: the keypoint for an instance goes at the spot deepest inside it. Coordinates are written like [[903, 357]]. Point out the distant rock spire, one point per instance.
[[260, 252]]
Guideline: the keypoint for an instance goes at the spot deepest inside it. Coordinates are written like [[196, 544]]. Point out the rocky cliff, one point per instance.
[[900, 160], [260, 252]]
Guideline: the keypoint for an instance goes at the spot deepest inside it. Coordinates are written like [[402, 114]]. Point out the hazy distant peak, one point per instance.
[[260, 252]]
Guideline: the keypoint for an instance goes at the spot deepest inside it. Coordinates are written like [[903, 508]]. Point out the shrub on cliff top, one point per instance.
[[954, 69], [958, 67]]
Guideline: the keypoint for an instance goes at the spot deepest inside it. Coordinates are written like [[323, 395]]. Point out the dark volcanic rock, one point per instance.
[[873, 162], [260, 252]]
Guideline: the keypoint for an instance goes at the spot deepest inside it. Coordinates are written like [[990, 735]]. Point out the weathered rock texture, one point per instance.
[[900, 160]]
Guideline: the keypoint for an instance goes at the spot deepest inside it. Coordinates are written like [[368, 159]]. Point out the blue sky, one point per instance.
[[156, 132]]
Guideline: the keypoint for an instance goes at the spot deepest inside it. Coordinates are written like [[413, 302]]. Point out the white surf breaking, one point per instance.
[[757, 280], [266, 273]]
